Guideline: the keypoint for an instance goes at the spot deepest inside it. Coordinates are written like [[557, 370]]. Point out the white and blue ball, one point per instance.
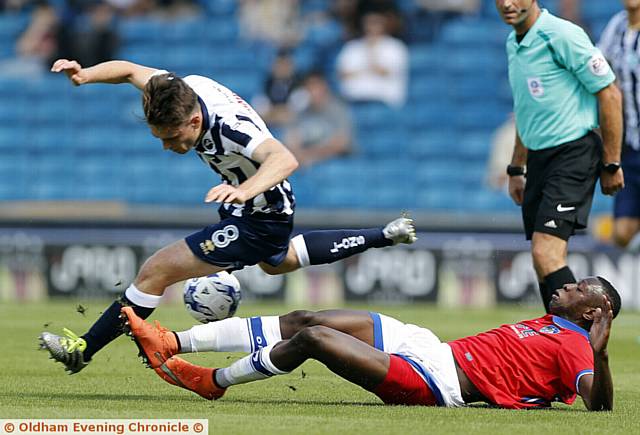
[[213, 297]]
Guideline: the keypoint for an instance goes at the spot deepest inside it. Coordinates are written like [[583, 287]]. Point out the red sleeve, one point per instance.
[[575, 359]]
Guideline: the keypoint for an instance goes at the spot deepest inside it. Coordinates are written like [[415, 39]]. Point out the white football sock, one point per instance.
[[252, 367], [140, 298], [231, 335]]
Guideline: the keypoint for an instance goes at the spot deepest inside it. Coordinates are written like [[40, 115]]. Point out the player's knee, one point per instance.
[[311, 338], [152, 279], [297, 320]]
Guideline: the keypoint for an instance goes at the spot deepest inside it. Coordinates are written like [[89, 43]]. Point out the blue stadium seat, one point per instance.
[[191, 29], [482, 116], [220, 31], [475, 144], [12, 24], [224, 8], [468, 62], [141, 29], [433, 144], [440, 199], [474, 32], [599, 10]]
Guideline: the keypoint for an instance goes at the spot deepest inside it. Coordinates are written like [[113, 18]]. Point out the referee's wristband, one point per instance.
[[514, 171]]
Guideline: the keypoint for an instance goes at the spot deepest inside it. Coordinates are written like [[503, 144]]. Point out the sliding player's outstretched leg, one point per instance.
[[343, 354], [157, 344]]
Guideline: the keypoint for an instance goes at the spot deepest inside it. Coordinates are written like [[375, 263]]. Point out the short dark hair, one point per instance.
[[612, 294], [167, 100]]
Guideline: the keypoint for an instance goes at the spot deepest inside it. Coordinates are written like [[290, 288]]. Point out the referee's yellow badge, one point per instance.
[[535, 87]]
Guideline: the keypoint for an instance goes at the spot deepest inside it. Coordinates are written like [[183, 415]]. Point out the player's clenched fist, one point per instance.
[[71, 68]]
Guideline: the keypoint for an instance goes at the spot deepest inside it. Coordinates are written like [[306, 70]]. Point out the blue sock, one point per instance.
[[109, 326], [323, 247]]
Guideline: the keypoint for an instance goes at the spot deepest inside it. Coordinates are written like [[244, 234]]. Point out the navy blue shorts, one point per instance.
[[627, 202], [236, 242]]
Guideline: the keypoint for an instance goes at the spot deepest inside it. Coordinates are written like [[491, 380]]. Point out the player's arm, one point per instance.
[[276, 164], [113, 71], [597, 389], [517, 182], [610, 107]]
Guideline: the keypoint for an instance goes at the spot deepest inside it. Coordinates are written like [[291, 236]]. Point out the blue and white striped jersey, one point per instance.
[[233, 131], [621, 46]]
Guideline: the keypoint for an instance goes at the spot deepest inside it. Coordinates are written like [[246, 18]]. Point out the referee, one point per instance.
[[620, 44], [563, 89]]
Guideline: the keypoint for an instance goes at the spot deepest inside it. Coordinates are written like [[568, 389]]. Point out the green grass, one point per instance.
[[116, 385]]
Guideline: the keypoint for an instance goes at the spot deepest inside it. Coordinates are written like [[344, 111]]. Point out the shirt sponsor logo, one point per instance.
[[535, 87], [550, 329], [598, 65]]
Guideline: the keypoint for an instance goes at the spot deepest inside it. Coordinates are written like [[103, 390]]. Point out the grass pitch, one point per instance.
[[309, 401]]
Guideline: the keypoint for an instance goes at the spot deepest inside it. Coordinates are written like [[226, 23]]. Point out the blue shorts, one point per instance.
[[236, 242], [627, 201]]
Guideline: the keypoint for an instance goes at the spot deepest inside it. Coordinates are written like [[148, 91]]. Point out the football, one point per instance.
[[213, 297]]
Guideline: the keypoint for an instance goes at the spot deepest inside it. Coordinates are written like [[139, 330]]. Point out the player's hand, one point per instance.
[[72, 69], [226, 193], [601, 327], [611, 183], [516, 188]]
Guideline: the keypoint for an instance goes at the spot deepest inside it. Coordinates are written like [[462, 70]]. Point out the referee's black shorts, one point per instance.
[[560, 185]]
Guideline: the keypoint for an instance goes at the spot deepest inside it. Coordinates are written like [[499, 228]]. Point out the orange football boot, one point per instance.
[[177, 371], [156, 344]]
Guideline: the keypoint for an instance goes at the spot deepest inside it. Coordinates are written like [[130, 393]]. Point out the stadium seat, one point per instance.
[[469, 32], [219, 8], [12, 24], [141, 29], [599, 10]]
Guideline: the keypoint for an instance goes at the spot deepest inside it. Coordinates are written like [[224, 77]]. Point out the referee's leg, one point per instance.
[[549, 254]]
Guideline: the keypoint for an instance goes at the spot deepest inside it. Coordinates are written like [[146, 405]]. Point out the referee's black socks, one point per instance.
[[554, 281]]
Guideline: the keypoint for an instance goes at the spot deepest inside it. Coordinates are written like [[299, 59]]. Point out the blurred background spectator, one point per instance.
[[272, 21], [273, 103], [36, 46], [323, 129], [571, 10], [375, 66], [87, 32]]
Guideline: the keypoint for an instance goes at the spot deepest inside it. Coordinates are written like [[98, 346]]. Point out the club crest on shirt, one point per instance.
[[207, 143], [598, 65], [535, 87], [550, 329]]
